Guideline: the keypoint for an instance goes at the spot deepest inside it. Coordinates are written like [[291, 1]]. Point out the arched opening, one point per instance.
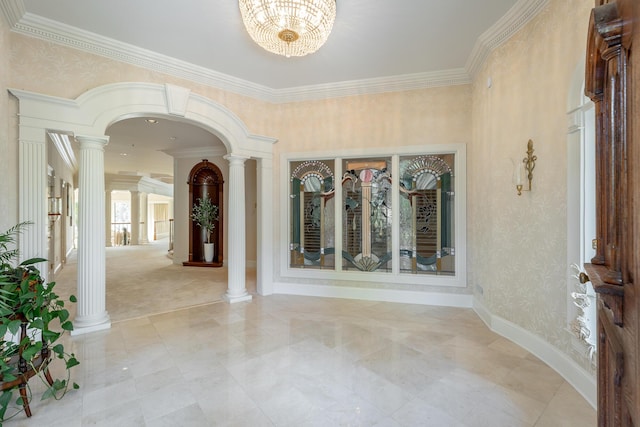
[[86, 120]]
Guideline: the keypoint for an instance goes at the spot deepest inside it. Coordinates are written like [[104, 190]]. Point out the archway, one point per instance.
[[86, 118]]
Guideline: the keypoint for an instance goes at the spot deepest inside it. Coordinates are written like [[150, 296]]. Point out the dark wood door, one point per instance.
[[613, 83]]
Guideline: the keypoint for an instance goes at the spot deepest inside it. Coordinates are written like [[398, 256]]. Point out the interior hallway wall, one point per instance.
[[363, 124], [518, 244], [62, 172], [8, 145]]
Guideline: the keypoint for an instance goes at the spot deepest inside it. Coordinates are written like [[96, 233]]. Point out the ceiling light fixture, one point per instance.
[[289, 27], [151, 121]]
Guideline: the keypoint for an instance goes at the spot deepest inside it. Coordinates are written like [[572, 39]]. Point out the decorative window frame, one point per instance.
[[581, 301], [303, 275]]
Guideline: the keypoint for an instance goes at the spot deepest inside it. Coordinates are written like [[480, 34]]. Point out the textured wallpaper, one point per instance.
[[9, 157], [518, 244]]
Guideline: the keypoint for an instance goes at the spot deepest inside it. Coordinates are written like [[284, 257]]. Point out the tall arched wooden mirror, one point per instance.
[[205, 180]]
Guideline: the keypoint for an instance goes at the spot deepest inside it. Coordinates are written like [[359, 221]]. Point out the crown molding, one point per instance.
[[372, 86], [52, 31], [516, 18], [45, 29], [62, 142]]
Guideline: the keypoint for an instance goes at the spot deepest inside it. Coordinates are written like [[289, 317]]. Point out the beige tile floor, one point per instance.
[[302, 361]]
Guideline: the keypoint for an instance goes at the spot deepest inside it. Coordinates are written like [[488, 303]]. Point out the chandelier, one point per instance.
[[289, 27]]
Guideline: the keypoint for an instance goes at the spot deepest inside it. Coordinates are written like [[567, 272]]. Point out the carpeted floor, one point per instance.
[[142, 280]]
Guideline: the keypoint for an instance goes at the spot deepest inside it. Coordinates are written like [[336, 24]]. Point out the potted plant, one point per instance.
[[205, 214], [30, 315]]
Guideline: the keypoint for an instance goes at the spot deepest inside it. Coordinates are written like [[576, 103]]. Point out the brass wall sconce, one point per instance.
[[528, 164]]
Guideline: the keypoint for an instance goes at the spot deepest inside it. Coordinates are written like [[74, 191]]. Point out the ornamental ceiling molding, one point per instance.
[[516, 18], [32, 25]]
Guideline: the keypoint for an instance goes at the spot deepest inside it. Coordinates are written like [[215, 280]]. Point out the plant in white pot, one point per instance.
[[205, 214]]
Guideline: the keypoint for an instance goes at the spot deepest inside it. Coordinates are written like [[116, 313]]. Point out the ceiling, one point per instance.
[[378, 44]]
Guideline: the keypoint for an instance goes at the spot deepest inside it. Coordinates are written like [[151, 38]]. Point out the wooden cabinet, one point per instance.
[[205, 179]]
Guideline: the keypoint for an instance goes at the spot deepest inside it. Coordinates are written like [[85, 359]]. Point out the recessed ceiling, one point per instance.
[[135, 145], [372, 41], [370, 38]]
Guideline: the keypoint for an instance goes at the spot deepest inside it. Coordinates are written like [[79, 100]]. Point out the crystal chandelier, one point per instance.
[[289, 27]]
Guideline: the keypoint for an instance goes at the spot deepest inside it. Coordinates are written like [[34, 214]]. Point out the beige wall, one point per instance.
[[8, 146], [362, 124], [518, 245]]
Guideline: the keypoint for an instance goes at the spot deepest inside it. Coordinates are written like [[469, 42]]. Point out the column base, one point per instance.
[[83, 326], [237, 298]]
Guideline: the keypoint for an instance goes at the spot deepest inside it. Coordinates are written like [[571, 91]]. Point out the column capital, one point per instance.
[[236, 159], [92, 141]]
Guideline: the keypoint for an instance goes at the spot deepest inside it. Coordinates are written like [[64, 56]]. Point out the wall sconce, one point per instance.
[[527, 164]]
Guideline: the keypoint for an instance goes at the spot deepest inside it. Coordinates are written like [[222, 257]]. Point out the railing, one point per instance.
[[120, 233]]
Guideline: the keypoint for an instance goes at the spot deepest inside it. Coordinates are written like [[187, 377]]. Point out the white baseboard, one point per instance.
[[387, 295], [574, 374]]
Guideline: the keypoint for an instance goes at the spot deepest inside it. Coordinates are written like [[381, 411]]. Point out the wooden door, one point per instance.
[[613, 83]]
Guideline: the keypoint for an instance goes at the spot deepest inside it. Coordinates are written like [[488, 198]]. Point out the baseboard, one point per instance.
[[574, 374], [372, 294]]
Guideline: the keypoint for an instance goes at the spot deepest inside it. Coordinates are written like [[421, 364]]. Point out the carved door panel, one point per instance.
[[612, 82]]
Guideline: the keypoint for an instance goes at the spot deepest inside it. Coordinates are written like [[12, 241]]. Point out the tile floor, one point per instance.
[[302, 361]]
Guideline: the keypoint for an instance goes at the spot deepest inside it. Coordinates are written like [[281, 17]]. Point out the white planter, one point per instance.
[[208, 252]]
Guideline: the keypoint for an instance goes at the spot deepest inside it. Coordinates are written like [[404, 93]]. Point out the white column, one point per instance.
[[144, 216], [91, 310], [264, 273], [237, 290], [107, 216], [135, 218], [32, 196]]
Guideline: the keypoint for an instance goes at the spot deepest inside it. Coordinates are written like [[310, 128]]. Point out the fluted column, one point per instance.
[[144, 217], [107, 216], [91, 309], [236, 290], [32, 196], [135, 218]]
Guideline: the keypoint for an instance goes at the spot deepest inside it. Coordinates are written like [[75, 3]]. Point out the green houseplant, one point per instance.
[[205, 215], [33, 318]]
